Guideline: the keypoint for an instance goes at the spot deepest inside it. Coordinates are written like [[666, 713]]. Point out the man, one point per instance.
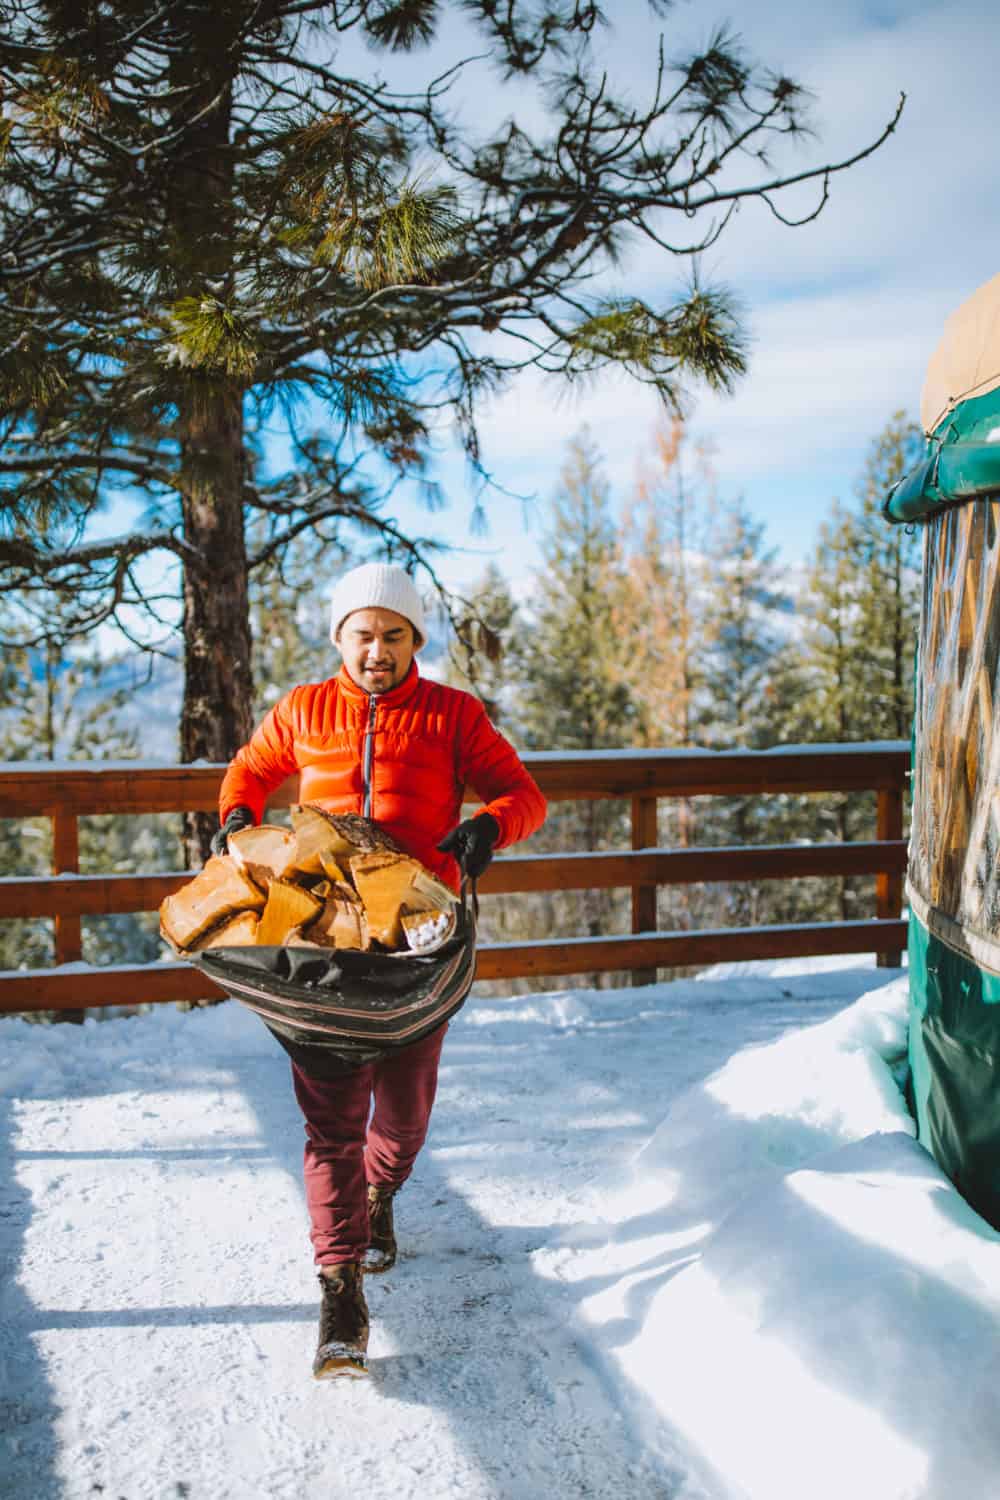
[[380, 740]]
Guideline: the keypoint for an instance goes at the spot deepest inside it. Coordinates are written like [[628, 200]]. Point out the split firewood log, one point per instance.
[[328, 890], [266, 853], [316, 835], [218, 891], [289, 907], [332, 868], [389, 883], [343, 890], [279, 887], [362, 834], [318, 832], [239, 931], [341, 924]]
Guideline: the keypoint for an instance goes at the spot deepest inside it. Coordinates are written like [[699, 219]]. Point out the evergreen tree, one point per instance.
[[572, 693], [833, 706], [666, 530], [747, 612], [746, 616], [662, 619], [204, 218], [483, 658], [830, 705], [861, 607], [290, 621], [575, 694], [889, 595], [850, 676]]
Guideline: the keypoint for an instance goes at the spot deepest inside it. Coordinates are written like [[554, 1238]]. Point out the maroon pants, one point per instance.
[[345, 1150]]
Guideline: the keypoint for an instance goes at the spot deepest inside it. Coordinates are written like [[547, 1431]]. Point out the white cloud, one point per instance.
[[844, 313]]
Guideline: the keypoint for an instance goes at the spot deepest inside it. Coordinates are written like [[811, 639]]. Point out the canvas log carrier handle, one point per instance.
[[356, 1006]]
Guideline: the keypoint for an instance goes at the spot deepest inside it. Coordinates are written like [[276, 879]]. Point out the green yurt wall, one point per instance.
[[953, 879]]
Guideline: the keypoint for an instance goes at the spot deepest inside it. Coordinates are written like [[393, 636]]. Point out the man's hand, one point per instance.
[[472, 843], [240, 817]]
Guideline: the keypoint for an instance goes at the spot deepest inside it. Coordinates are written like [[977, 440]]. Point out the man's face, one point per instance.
[[377, 646]]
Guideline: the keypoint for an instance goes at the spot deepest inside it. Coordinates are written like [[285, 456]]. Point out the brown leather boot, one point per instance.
[[343, 1323], [381, 1253]]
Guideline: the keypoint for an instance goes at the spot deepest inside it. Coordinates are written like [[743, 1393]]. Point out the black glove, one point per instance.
[[240, 817], [472, 843]]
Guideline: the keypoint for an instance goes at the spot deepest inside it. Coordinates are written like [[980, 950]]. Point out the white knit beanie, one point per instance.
[[377, 586]]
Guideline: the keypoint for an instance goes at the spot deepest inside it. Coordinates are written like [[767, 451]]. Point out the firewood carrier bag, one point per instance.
[[333, 1009]]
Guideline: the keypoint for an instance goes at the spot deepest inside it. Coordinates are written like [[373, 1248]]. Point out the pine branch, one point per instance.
[[203, 218]]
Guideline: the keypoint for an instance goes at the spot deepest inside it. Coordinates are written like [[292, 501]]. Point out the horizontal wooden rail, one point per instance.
[[77, 985], [719, 773], [579, 872], [86, 895], [72, 986], [664, 950], [83, 789], [65, 793], [102, 895]]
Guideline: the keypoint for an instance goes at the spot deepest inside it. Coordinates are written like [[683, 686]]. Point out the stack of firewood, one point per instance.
[[334, 880]]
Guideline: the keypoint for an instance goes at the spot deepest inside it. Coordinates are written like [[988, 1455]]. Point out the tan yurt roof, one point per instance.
[[967, 360]]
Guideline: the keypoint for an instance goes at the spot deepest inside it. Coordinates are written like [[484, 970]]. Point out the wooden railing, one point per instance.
[[68, 792]]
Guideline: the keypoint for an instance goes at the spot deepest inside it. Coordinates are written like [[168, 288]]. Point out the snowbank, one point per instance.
[[789, 1280], [673, 1243]]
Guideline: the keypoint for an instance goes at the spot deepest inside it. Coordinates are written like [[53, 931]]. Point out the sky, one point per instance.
[[843, 314]]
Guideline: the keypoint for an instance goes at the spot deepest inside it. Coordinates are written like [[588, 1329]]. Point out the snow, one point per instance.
[[532, 757], [107, 768], [673, 1243], [666, 752]]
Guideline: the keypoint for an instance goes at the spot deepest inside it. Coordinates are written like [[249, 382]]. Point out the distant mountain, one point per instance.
[[152, 706]]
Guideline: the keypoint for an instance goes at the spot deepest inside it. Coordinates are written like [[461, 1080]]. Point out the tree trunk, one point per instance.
[[216, 713], [218, 687]]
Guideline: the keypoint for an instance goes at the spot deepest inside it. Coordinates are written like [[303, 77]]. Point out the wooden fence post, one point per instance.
[[69, 930], [889, 887], [644, 836]]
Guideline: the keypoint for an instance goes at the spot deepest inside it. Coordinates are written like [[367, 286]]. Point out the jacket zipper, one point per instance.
[[369, 755]]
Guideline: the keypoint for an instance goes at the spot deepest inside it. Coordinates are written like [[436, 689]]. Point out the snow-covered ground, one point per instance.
[[671, 1243]]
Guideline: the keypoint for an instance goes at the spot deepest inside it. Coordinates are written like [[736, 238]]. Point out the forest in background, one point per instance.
[[663, 621]]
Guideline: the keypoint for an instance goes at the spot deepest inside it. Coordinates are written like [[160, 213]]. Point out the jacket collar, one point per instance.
[[397, 695]]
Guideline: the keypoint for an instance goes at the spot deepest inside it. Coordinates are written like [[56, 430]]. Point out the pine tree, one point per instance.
[[666, 531], [746, 614], [747, 610], [484, 654], [889, 596], [851, 673], [668, 527], [829, 706], [576, 696], [572, 693], [205, 220], [290, 621]]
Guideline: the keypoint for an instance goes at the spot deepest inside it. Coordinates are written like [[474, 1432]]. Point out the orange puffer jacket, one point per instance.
[[403, 758]]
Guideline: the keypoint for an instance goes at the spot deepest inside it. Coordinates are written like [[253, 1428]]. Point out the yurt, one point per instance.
[[953, 879]]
